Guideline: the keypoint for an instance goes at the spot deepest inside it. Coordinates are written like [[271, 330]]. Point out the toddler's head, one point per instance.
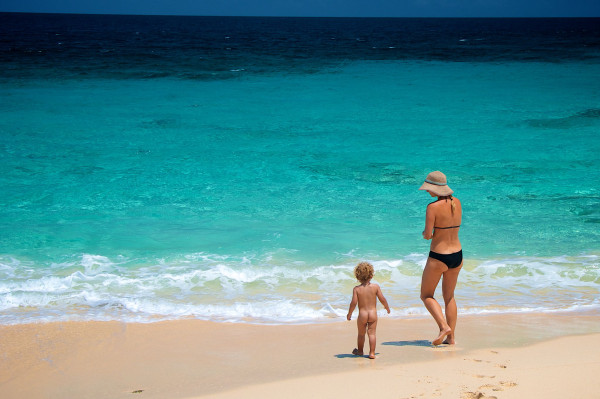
[[364, 272]]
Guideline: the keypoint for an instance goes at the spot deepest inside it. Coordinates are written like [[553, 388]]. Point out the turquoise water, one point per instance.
[[252, 198]]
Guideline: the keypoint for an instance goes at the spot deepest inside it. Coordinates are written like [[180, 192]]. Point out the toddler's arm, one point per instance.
[[383, 300], [353, 303]]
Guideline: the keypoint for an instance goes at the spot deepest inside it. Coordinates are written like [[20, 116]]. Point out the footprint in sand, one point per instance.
[[496, 388], [476, 395], [478, 360]]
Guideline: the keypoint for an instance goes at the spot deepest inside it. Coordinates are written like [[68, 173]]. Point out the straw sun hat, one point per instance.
[[436, 183]]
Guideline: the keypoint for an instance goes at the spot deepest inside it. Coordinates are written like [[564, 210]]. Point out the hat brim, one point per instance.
[[440, 191]]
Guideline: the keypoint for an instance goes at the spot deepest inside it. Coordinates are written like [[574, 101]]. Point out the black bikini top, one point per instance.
[[449, 227]]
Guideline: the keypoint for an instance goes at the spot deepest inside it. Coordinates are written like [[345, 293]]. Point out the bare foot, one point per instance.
[[357, 353], [442, 335], [372, 356], [449, 340]]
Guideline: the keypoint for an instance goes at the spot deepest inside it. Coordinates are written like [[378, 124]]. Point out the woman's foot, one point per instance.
[[371, 356], [356, 352], [440, 338], [449, 340]]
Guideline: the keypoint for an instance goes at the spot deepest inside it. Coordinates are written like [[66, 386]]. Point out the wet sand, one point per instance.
[[508, 356]]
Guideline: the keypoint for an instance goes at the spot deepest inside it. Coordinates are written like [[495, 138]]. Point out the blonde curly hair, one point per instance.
[[364, 272]]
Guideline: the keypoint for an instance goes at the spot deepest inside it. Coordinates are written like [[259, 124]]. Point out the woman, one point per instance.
[[442, 222]]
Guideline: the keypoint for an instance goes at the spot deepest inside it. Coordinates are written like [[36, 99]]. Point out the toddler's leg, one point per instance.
[[371, 330], [361, 324]]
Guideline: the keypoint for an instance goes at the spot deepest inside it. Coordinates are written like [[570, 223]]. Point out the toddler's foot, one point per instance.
[[442, 335], [356, 352]]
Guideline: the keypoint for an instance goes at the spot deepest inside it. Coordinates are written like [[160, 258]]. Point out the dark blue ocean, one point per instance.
[[236, 169]]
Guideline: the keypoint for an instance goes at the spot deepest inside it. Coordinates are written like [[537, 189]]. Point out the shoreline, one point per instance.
[[193, 358], [271, 291]]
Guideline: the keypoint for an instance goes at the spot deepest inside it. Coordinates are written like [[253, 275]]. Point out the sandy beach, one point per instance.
[[186, 197], [508, 356]]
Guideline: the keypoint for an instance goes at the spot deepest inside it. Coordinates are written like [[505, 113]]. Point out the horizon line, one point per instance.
[[296, 16]]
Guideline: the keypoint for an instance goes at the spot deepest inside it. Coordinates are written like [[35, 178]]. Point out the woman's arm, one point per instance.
[[429, 223]]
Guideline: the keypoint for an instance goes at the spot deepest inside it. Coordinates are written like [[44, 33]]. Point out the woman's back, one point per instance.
[[447, 218]]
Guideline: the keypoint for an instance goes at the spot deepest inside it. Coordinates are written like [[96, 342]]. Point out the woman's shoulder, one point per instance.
[[443, 200], [441, 204], [434, 204]]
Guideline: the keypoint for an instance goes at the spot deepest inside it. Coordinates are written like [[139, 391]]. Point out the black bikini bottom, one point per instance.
[[451, 260]]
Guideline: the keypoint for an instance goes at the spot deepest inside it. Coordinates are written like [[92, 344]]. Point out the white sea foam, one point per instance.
[[260, 290]]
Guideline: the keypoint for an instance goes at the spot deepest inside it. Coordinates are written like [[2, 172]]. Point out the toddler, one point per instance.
[[366, 295]]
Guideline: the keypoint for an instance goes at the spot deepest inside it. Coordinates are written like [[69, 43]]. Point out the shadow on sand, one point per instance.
[[350, 355], [418, 342]]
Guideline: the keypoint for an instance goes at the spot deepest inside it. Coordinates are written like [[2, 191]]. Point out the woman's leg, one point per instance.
[[431, 277], [448, 286]]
